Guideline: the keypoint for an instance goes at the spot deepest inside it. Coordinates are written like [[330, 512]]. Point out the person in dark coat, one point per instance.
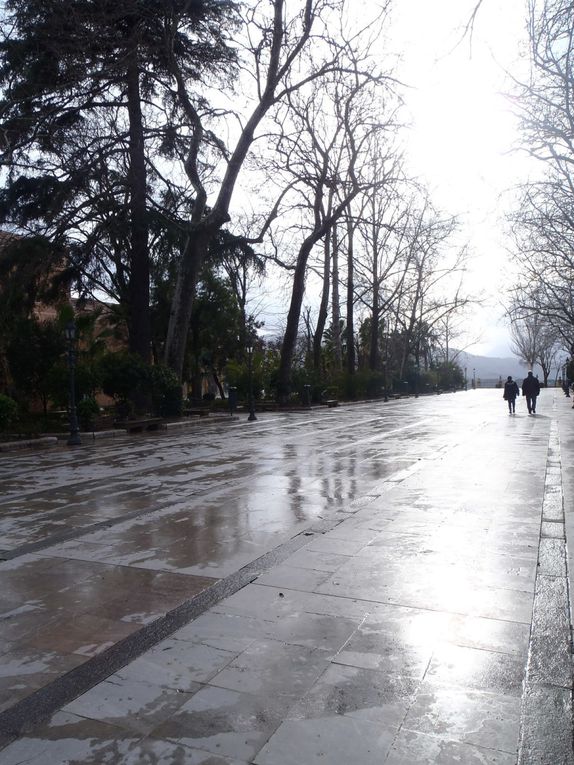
[[511, 391], [530, 389]]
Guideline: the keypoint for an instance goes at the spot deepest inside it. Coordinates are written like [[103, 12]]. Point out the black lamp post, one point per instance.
[[465, 380], [74, 438], [250, 382]]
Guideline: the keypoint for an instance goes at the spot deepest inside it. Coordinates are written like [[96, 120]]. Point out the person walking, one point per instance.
[[530, 389], [511, 391]]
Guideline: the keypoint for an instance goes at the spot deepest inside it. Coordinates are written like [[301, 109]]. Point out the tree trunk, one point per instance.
[[139, 320], [375, 318], [324, 307], [188, 273], [350, 297], [219, 385], [308, 336], [336, 307], [375, 313], [374, 344], [292, 328]]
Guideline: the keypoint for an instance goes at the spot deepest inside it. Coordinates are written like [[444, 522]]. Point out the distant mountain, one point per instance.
[[493, 368]]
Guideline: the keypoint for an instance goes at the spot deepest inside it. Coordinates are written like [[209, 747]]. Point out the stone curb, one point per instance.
[[43, 442], [48, 441], [100, 435], [546, 710]]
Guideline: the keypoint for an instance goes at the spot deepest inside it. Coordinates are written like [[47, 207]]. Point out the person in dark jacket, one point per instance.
[[530, 389], [511, 391]]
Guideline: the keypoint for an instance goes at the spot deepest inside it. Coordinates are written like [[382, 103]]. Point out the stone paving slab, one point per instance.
[[413, 627]]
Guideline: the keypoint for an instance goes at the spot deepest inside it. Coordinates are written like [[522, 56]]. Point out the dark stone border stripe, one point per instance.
[[546, 708], [42, 704]]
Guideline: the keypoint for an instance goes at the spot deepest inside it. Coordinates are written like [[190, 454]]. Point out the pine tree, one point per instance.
[[87, 104]]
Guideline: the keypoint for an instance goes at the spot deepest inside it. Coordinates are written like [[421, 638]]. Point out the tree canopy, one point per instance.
[[172, 151], [88, 113]]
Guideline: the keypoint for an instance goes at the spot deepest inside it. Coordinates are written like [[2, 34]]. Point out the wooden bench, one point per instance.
[[332, 402], [136, 426]]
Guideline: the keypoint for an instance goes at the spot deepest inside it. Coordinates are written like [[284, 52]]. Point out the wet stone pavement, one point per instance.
[[377, 583]]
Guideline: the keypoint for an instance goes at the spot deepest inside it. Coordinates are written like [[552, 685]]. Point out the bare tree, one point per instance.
[[535, 341], [383, 249], [335, 303], [286, 47], [548, 351], [324, 305], [433, 289], [543, 223], [545, 101], [449, 330], [322, 139], [350, 291], [308, 330], [543, 236], [525, 340]]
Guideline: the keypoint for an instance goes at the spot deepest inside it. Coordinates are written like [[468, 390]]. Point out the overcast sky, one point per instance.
[[464, 136]]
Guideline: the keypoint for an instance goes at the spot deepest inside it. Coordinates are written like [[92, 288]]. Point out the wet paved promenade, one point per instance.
[[377, 583]]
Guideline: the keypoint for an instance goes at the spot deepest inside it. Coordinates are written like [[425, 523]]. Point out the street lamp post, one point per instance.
[[474, 379], [74, 438], [465, 380], [250, 371]]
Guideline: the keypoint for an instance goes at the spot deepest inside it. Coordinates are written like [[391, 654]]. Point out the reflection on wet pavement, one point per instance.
[[400, 635]]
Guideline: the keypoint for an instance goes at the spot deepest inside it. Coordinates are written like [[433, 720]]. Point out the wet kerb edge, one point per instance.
[[546, 708], [42, 704]]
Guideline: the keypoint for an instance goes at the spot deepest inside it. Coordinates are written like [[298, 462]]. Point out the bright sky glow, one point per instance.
[[463, 137], [463, 134]]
